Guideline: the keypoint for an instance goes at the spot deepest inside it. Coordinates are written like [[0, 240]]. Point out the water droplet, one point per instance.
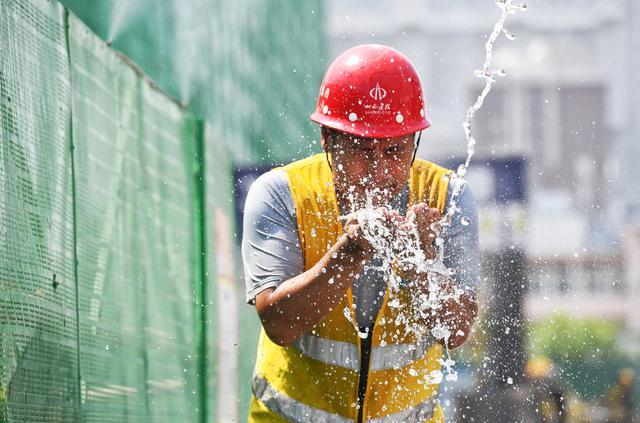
[[331, 281], [353, 117], [510, 381], [325, 109], [452, 377], [465, 221], [434, 377], [313, 232], [509, 35], [399, 118]]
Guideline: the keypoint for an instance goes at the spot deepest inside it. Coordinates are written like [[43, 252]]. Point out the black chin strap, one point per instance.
[[415, 150], [326, 151]]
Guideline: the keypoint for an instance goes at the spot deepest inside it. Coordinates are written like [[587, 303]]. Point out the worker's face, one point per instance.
[[368, 163]]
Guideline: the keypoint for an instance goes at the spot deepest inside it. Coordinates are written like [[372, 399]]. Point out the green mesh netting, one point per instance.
[[251, 67], [168, 252], [138, 281], [38, 343], [96, 162], [105, 126]]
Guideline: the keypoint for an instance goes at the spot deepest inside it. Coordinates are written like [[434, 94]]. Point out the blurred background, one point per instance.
[[132, 130]]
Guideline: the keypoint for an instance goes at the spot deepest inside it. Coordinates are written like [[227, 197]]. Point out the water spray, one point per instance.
[[399, 247], [489, 76]]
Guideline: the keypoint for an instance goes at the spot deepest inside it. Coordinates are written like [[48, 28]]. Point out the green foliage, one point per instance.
[[583, 351], [563, 338]]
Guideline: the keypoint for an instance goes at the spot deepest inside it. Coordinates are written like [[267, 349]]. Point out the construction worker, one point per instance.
[[307, 268]]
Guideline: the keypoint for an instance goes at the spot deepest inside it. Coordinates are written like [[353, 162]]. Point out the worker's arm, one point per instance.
[[457, 314], [299, 303]]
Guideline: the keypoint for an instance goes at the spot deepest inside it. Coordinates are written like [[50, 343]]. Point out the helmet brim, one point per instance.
[[362, 129]]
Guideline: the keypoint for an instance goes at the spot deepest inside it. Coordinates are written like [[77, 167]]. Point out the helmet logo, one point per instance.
[[378, 93]]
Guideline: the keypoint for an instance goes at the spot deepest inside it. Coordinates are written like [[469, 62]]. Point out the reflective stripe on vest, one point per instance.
[[345, 354], [399, 355], [336, 353], [296, 411], [289, 408], [420, 413]]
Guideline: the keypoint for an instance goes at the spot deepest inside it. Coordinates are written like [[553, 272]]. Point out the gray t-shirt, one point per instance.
[[271, 250]]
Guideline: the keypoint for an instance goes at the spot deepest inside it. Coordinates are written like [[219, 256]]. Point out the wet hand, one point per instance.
[[353, 231], [426, 220]]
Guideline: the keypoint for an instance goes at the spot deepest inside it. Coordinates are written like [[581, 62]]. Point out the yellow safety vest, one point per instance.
[[316, 378]]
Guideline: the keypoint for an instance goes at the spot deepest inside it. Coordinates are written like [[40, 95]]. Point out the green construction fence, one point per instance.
[[118, 290], [251, 67]]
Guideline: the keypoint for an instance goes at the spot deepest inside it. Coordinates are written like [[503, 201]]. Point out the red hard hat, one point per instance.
[[371, 91]]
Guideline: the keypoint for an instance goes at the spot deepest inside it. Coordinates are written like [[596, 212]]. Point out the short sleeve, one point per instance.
[[461, 243], [271, 250]]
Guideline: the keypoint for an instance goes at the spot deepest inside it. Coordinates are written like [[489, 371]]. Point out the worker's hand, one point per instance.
[[426, 220], [382, 223], [356, 240]]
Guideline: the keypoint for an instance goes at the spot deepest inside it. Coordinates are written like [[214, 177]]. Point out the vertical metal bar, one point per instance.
[[201, 236]]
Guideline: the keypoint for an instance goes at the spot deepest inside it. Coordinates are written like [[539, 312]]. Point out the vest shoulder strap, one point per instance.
[[428, 183]]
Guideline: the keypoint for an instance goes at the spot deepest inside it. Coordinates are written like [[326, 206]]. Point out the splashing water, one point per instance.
[[489, 76], [398, 245]]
